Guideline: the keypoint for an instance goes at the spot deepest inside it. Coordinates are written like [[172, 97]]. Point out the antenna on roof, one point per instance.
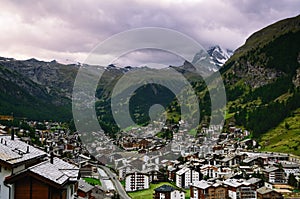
[[51, 157]]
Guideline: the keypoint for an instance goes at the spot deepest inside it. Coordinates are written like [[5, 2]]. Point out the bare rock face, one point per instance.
[[253, 76], [296, 79]]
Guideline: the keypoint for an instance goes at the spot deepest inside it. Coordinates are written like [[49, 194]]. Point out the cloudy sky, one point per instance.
[[67, 30]]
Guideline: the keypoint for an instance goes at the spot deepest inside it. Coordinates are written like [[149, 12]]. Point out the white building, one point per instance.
[[209, 171], [291, 168], [136, 181], [186, 176]]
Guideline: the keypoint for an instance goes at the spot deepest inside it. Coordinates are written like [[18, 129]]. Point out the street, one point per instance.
[[119, 188]]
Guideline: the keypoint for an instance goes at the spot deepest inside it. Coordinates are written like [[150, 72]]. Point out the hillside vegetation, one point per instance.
[[262, 83]]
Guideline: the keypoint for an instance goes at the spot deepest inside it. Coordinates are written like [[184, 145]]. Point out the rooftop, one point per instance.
[[58, 172], [236, 182], [254, 180], [202, 184], [165, 188], [16, 151], [264, 190], [271, 169], [84, 186], [290, 165], [182, 171]]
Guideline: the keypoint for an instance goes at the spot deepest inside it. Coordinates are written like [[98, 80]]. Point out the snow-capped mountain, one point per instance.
[[213, 58], [219, 55]]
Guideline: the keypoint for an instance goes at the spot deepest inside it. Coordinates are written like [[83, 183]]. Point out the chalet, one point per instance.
[[240, 189], [86, 170], [266, 193], [232, 160], [144, 143], [46, 180], [15, 156], [209, 170], [291, 168], [277, 157], [256, 160], [247, 143], [257, 182], [171, 173], [26, 172], [156, 176], [168, 192], [85, 190], [275, 175], [208, 190]]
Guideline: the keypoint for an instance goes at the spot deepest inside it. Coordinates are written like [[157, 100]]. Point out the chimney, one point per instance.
[[12, 133], [27, 149], [51, 157]]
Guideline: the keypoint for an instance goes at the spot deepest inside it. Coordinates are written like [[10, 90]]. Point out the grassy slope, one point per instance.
[[92, 181], [285, 137]]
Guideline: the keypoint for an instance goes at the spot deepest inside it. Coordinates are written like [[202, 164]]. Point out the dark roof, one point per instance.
[[165, 188]]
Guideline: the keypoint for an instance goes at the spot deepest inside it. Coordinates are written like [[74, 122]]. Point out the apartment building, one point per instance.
[[186, 176], [136, 181]]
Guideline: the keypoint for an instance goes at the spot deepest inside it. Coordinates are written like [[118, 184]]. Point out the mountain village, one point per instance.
[[209, 165]]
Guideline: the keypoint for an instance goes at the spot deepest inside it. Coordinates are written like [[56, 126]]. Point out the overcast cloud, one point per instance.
[[69, 29]]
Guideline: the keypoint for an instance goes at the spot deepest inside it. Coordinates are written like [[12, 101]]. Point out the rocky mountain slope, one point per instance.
[[262, 82], [35, 89]]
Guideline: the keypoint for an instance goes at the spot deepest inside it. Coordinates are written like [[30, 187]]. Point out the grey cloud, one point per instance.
[[75, 27]]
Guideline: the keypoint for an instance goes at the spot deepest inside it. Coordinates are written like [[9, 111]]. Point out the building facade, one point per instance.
[[168, 192], [136, 181], [208, 190], [27, 173], [266, 193], [186, 176]]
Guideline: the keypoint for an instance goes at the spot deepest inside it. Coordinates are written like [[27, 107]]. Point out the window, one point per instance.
[[72, 189]]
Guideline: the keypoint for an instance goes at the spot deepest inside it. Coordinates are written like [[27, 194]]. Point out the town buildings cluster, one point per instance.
[[211, 166], [47, 162], [51, 162]]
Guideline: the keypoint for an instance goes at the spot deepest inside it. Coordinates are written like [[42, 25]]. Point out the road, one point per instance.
[[119, 188]]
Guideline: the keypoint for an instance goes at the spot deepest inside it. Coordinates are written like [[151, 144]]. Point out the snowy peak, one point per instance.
[[213, 58], [219, 55]]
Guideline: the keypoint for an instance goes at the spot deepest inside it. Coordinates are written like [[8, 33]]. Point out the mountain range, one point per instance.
[[262, 80]]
